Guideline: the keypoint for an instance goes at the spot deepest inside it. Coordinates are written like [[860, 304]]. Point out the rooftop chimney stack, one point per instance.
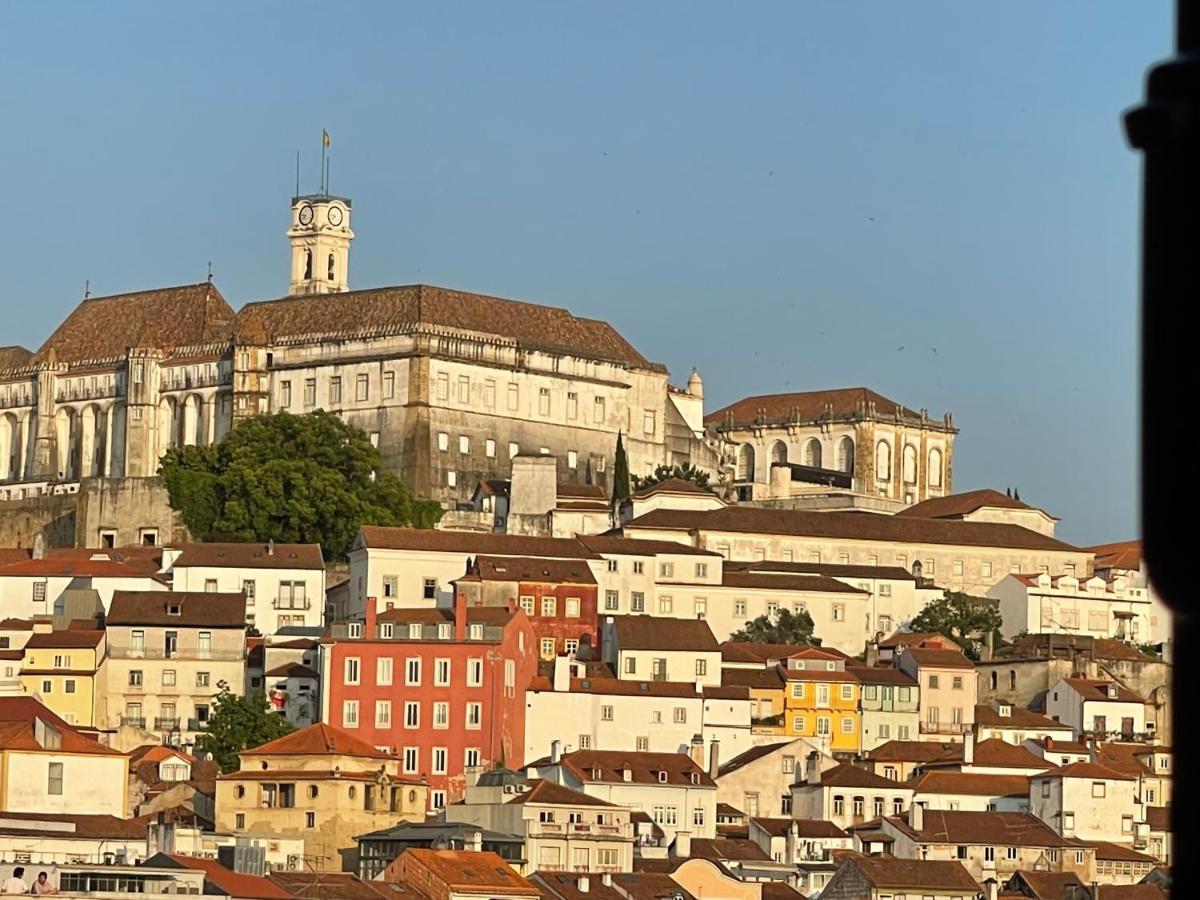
[[696, 750], [968, 749], [555, 752], [584, 884], [812, 768], [460, 616], [714, 759], [370, 629], [683, 844], [916, 817]]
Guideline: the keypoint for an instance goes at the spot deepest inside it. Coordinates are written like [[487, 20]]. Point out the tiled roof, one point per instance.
[[654, 633], [644, 768], [780, 890], [630, 688], [1118, 555], [471, 543], [771, 581], [83, 826], [909, 639], [994, 753], [542, 791], [768, 654], [519, 568], [1132, 892], [1085, 770], [756, 679], [17, 716], [1097, 689], [252, 556], [1051, 885], [971, 783], [806, 406], [881, 675], [1158, 818], [834, 570], [807, 828], [473, 871], [957, 505], [945, 826], [748, 756], [846, 775], [91, 563], [196, 609], [728, 848], [613, 545], [1109, 850], [940, 659], [849, 526], [1127, 758], [237, 885], [331, 886], [293, 670], [161, 319], [14, 357], [566, 886], [921, 874], [651, 885], [907, 751], [528, 325], [989, 717], [319, 739], [65, 640]]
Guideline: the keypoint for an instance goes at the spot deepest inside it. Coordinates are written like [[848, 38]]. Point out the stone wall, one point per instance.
[[51, 516], [131, 508]]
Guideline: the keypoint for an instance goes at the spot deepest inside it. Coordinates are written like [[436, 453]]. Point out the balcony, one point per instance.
[[945, 728], [590, 830], [134, 721], [166, 723], [297, 603], [123, 652], [197, 725]]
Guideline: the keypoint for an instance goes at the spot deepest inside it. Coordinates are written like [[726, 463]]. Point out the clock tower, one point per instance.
[[320, 236]]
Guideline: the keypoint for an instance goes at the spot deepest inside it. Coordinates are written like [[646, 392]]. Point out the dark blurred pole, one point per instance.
[[1167, 130]]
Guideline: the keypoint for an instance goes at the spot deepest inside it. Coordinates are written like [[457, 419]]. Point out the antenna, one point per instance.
[[87, 288], [210, 271], [297, 194]]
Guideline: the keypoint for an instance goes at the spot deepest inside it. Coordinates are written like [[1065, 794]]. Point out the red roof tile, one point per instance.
[[526, 569], [251, 556], [471, 543], [957, 505], [319, 739], [920, 874], [1089, 770], [644, 768], [971, 783], [237, 885], [192, 609], [806, 406], [655, 633], [1097, 689], [472, 871]]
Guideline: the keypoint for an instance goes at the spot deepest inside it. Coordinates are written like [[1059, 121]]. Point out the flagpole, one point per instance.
[[323, 189]]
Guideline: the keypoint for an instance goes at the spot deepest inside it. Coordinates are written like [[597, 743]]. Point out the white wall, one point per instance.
[[92, 785], [266, 614]]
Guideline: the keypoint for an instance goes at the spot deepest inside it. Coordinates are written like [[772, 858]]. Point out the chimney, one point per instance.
[[791, 843], [606, 879], [872, 654], [968, 749], [562, 674], [683, 843], [1049, 743], [271, 547], [812, 768], [460, 616], [477, 841], [555, 752], [370, 629], [916, 817], [714, 759], [696, 752], [991, 888], [584, 884]]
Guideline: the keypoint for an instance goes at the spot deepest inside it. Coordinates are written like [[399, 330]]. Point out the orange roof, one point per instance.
[[476, 872], [17, 715], [1086, 770], [318, 740], [958, 505], [1118, 555], [235, 884], [806, 406]]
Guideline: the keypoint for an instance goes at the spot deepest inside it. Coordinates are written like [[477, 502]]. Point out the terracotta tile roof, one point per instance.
[[1129, 759], [940, 659], [235, 884], [806, 406], [528, 325], [887, 872], [654, 633], [644, 768], [849, 526], [907, 751], [1051, 885], [103, 327], [728, 848], [614, 545], [519, 568], [319, 740], [768, 654], [628, 688], [771, 581], [971, 783], [672, 486], [252, 556], [1132, 892], [1118, 555], [1056, 745], [542, 791], [881, 675], [1096, 689], [902, 639], [85, 826], [834, 570], [329, 886], [846, 775], [1109, 850], [994, 753], [14, 357], [644, 885], [987, 715], [572, 490], [197, 609], [957, 505], [756, 679], [748, 756], [945, 826], [293, 670], [566, 886], [17, 715], [807, 828], [82, 564], [482, 615], [11, 624], [1085, 770], [473, 872], [65, 640], [471, 543]]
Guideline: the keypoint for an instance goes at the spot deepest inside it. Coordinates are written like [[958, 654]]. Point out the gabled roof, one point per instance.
[[881, 675], [523, 568], [1127, 758], [908, 751], [472, 871], [1118, 555], [14, 357], [748, 652], [806, 828], [890, 872], [644, 768], [654, 633], [160, 319], [614, 545], [18, 717], [849, 526], [1050, 885], [994, 753], [78, 638], [769, 679], [319, 740], [956, 826], [542, 791], [728, 848], [237, 885], [190, 609], [333, 886], [1022, 718], [846, 775], [748, 756], [971, 783], [1097, 689], [252, 556], [940, 659], [957, 505], [59, 825], [1109, 850], [471, 543], [807, 406]]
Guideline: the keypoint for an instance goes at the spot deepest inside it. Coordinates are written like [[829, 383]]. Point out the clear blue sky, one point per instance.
[[779, 194]]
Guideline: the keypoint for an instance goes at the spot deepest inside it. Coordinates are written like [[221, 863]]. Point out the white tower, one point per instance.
[[320, 237]]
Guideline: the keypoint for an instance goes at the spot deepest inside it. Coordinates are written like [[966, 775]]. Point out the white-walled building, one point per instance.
[[284, 584], [35, 586], [847, 795], [758, 781], [1087, 801], [643, 648], [890, 703], [1071, 604], [971, 791], [1097, 708], [1004, 721]]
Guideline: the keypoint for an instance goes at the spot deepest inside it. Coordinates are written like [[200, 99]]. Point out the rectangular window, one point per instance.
[[648, 421], [739, 609], [612, 600], [606, 713], [54, 780], [412, 714], [547, 648], [412, 759], [362, 387], [474, 672], [352, 670], [389, 385], [513, 449], [285, 394], [310, 392], [489, 393], [665, 604], [543, 401], [637, 602], [383, 713], [443, 441], [681, 715], [847, 692], [471, 757], [464, 389], [598, 410], [441, 672], [847, 725], [441, 714], [335, 390], [168, 678], [701, 570], [464, 444], [933, 681], [572, 459], [631, 665], [639, 567], [69, 688], [349, 713], [135, 678], [489, 448], [549, 606], [440, 756], [956, 683], [391, 586], [443, 386], [572, 608], [572, 405], [383, 671], [514, 397], [702, 667], [527, 605], [839, 612]]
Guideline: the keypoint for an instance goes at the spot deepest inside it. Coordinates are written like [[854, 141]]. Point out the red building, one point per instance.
[[444, 689], [558, 596]]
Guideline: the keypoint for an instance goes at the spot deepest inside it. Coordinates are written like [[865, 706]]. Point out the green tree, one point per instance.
[[239, 723], [686, 472], [962, 618], [620, 489], [295, 479], [786, 628]]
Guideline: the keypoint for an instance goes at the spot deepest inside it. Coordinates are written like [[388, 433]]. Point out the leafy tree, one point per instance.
[[961, 618], [786, 628], [295, 479], [686, 472], [620, 489], [238, 723]]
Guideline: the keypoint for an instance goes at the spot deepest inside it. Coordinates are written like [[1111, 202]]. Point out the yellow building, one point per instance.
[[822, 700], [63, 669], [322, 785]]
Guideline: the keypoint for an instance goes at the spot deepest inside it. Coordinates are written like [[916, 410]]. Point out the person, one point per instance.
[[43, 886], [15, 883]]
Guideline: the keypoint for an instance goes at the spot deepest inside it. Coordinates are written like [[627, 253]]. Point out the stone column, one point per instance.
[[210, 419], [85, 429], [106, 470], [190, 416]]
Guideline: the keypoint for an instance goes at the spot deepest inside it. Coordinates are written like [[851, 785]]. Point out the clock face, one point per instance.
[[335, 216], [306, 214]]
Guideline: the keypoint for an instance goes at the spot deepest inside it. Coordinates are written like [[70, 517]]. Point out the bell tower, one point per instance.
[[320, 236]]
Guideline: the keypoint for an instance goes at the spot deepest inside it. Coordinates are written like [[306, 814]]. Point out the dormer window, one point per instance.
[[476, 632], [595, 774], [1004, 710], [695, 778], [662, 777], [414, 631], [173, 609], [445, 631], [354, 629], [830, 666], [386, 630]]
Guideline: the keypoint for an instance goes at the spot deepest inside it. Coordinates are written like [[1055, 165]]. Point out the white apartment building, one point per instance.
[[284, 584], [641, 648], [35, 586], [1068, 604], [1088, 801], [1097, 708], [846, 795]]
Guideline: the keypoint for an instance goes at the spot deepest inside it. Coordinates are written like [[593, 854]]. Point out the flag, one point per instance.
[[325, 137]]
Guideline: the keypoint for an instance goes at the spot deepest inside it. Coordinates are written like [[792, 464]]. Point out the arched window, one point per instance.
[[812, 454], [331, 267], [307, 264], [845, 455], [1012, 679], [778, 452], [858, 806], [935, 467], [839, 804], [745, 463], [883, 461], [994, 680], [353, 792], [910, 464], [917, 569]]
